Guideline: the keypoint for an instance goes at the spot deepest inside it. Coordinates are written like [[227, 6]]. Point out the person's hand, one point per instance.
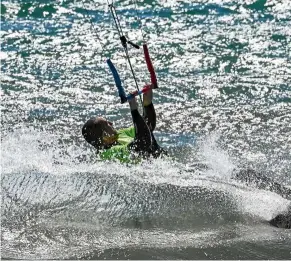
[[132, 102], [147, 97]]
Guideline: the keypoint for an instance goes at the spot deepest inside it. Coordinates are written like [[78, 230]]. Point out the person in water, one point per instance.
[[125, 144]]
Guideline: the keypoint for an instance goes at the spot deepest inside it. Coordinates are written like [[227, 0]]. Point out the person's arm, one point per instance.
[[149, 110], [143, 139]]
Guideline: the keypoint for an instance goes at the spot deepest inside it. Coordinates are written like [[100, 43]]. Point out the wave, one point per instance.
[[49, 203], [113, 210]]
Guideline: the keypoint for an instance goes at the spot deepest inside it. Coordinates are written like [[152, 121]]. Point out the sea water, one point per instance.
[[223, 104]]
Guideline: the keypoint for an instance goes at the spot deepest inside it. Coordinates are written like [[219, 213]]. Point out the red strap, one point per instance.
[[150, 66]]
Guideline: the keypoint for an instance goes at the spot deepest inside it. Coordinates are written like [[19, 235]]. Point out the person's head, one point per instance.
[[99, 132]]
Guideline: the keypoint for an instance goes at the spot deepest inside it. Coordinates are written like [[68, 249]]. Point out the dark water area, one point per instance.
[[223, 104]]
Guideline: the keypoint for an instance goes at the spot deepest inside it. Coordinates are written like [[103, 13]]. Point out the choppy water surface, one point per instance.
[[223, 103]]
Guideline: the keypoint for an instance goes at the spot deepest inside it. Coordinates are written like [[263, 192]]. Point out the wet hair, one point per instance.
[[92, 131]]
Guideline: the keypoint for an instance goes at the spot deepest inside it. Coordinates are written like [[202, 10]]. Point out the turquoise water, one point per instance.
[[223, 104]]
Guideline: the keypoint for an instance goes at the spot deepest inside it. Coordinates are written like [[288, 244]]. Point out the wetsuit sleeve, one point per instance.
[[150, 116], [143, 138]]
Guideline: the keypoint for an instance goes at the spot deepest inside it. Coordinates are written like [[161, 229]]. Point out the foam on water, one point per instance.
[[45, 183], [28, 151]]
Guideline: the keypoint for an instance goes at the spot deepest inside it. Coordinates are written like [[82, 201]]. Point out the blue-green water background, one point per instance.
[[223, 102]]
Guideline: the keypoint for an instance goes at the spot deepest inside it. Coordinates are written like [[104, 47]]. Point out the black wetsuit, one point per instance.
[[145, 141]]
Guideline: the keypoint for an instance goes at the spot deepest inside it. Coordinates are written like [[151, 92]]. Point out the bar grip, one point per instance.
[[117, 80], [143, 90], [150, 67]]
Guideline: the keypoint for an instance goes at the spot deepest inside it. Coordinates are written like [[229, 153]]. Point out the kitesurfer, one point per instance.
[[125, 144], [138, 140]]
